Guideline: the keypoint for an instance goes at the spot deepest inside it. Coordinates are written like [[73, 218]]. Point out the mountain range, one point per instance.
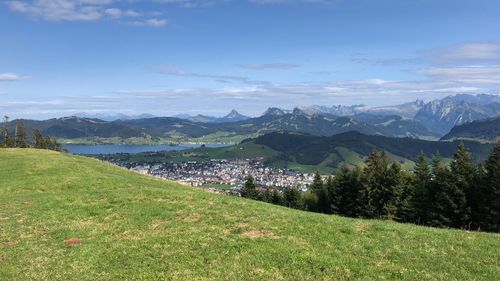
[[418, 119], [233, 116]]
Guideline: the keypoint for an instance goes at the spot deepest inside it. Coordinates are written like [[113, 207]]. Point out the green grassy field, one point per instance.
[[64, 217]]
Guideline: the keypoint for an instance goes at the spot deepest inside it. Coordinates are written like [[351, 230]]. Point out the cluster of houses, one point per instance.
[[227, 176]]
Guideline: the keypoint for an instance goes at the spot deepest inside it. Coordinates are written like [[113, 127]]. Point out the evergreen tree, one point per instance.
[[310, 201], [4, 131], [343, 191], [334, 195], [8, 139], [292, 198], [20, 135], [419, 195], [462, 171], [393, 188], [490, 210], [449, 202], [249, 190], [324, 204], [38, 141], [317, 182], [264, 196], [276, 197], [348, 184], [376, 192], [405, 208]]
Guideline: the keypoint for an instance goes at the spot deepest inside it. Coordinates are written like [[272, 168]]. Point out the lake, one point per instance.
[[112, 148]]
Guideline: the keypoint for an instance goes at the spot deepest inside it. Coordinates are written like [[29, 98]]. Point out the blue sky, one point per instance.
[[165, 57]]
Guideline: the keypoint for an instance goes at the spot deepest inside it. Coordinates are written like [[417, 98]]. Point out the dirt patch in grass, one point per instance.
[[362, 227], [8, 244], [22, 219], [134, 235], [28, 202], [189, 218], [254, 233], [2, 259], [72, 242]]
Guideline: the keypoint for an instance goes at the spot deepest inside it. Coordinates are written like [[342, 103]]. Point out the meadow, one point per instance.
[[65, 217]]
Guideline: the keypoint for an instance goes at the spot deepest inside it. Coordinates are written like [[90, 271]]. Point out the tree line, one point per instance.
[[20, 137], [459, 194]]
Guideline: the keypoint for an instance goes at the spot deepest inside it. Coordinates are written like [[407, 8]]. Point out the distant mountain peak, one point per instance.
[[233, 114], [274, 111]]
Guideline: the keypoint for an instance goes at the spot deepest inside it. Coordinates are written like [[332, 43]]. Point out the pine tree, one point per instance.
[[317, 182], [334, 195], [376, 192], [419, 193], [8, 139], [292, 198], [249, 190], [310, 201], [344, 191], [38, 141], [449, 202], [276, 197], [4, 131], [462, 170], [393, 187], [21, 135], [324, 204], [405, 211], [491, 192], [264, 196]]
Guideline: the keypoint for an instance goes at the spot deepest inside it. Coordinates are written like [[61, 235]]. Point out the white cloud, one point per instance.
[[464, 74], [5, 77], [153, 22], [469, 53], [78, 10], [174, 71], [113, 12], [265, 66], [58, 10]]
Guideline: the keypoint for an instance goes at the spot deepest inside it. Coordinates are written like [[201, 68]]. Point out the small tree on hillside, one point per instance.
[[292, 198], [317, 182], [276, 197], [38, 141], [249, 190], [21, 138], [334, 195], [463, 171], [8, 139], [449, 202], [420, 196], [491, 192], [376, 191]]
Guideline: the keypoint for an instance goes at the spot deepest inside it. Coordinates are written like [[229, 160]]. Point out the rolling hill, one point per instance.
[[65, 217], [352, 147], [486, 130]]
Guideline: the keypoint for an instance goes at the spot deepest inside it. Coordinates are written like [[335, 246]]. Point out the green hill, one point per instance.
[[484, 130], [64, 217], [351, 147]]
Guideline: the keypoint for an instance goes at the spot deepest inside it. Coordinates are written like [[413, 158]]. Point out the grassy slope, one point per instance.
[[134, 227]]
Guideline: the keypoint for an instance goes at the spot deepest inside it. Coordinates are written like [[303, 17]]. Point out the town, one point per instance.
[[222, 175]]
